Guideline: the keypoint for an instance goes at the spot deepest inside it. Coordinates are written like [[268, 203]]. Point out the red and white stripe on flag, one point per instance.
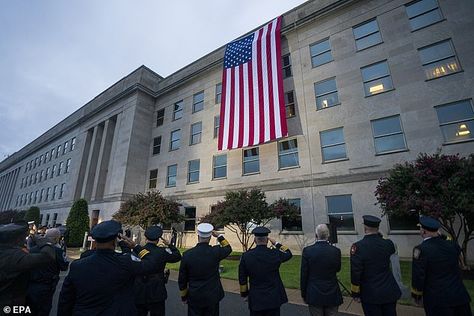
[[253, 103]]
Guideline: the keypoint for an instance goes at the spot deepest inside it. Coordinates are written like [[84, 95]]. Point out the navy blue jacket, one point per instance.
[[261, 266], [319, 265]]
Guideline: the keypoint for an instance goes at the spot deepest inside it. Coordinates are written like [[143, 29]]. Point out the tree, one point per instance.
[[11, 216], [150, 208], [33, 214], [437, 185], [77, 223], [243, 209]]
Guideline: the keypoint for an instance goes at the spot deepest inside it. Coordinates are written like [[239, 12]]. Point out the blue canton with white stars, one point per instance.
[[238, 52]]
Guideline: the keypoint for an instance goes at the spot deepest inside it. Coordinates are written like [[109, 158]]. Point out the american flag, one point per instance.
[[253, 104]]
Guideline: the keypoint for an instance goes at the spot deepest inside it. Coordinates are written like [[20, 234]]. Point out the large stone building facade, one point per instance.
[[368, 84]]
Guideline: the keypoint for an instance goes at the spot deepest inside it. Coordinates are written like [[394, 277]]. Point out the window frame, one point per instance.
[[189, 219], [447, 142], [367, 35], [250, 161], [169, 176], [155, 146], [341, 213], [201, 102], [178, 107], [333, 145], [160, 119], [289, 105], [193, 171], [218, 95], [316, 95], [191, 136], [424, 13], [435, 61], [152, 181], [288, 153], [402, 132], [174, 141], [389, 75], [320, 53], [214, 167], [285, 67], [68, 166], [299, 218], [217, 126]]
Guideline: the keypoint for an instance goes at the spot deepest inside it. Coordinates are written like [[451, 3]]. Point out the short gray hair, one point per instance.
[[322, 231]]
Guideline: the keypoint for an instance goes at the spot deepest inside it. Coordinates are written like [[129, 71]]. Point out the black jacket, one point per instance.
[[319, 265], [151, 288], [15, 266], [371, 276], [199, 280], [50, 273], [436, 275], [260, 266], [102, 283]]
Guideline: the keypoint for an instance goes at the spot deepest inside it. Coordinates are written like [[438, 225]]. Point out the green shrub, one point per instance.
[[33, 214], [77, 223]]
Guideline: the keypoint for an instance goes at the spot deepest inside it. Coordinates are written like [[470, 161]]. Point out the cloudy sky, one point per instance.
[[57, 55]]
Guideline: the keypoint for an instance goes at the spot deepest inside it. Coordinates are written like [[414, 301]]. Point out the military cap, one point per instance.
[[153, 232], [261, 231], [205, 230], [12, 230], [106, 231], [371, 221], [429, 223]]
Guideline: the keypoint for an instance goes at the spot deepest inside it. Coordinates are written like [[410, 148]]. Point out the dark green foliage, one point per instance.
[[77, 223], [11, 216], [150, 208], [33, 214]]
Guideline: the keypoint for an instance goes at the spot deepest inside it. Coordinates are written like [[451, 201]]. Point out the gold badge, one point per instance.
[[353, 249], [416, 253]]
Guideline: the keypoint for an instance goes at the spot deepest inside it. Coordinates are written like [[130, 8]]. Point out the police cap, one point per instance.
[[261, 231], [10, 231], [153, 233], [371, 221], [429, 223], [205, 230], [106, 231]]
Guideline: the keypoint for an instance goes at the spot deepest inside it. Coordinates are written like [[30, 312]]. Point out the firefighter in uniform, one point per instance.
[[260, 266], [199, 281], [436, 278], [102, 283], [16, 263], [150, 289], [372, 282]]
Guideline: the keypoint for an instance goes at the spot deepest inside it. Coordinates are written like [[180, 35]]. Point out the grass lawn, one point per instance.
[[290, 273]]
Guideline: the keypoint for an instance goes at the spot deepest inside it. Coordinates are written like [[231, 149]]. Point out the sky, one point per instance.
[[55, 56]]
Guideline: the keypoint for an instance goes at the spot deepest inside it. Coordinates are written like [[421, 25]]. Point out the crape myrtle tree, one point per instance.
[[437, 185], [150, 208], [241, 210]]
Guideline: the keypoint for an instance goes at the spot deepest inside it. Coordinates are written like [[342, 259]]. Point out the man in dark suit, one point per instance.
[[102, 283], [150, 289], [199, 280], [260, 266], [372, 281], [319, 265], [436, 278]]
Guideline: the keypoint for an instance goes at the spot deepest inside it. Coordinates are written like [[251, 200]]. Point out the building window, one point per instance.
[[41, 175], [404, 222], [66, 147], [68, 165], [41, 196], [47, 173], [218, 93], [156, 145], [388, 134], [321, 53], [286, 61], [288, 154], [251, 163], [31, 180], [193, 171], [46, 156], [17, 198], [73, 143], [189, 218], [439, 59], [198, 102], [47, 219], [295, 224], [423, 13], [367, 34], [171, 176], [332, 144], [217, 122], [53, 153], [58, 151], [55, 218], [36, 178], [290, 104], [36, 163], [175, 139], [340, 212], [55, 190], [456, 120], [61, 190], [160, 117], [31, 198], [326, 93], [40, 160], [48, 190], [60, 168], [196, 131], [219, 167], [376, 78], [27, 167], [153, 179], [36, 197], [178, 110]]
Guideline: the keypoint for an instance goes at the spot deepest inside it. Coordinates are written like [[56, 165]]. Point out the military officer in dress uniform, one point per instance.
[[320, 264], [16, 263], [199, 280], [372, 282], [260, 266], [150, 289], [102, 283], [436, 278]]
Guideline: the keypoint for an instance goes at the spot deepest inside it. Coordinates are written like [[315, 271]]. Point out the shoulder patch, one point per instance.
[[416, 253], [168, 250], [134, 258], [353, 249]]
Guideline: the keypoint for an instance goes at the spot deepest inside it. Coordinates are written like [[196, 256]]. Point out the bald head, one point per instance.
[[322, 232]]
